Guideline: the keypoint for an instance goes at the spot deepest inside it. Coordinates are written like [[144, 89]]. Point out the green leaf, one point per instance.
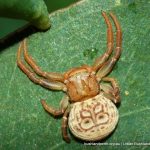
[[25, 125], [33, 11]]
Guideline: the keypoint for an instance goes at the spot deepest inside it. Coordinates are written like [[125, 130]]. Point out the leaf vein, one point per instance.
[[11, 79], [58, 145], [133, 112]]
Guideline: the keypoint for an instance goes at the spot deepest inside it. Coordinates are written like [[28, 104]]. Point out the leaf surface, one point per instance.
[[25, 125], [33, 11]]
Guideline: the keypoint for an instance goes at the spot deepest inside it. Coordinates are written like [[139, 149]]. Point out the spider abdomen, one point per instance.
[[93, 119]]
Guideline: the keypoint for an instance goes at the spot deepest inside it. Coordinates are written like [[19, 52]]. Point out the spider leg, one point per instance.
[[111, 90], [53, 85], [56, 112], [65, 125], [100, 60], [37, 69], [108, 65]]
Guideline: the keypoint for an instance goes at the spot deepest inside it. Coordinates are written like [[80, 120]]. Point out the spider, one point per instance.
[[88, 106]]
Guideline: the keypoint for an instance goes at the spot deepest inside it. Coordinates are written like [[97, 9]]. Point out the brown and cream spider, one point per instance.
[[88, 107]]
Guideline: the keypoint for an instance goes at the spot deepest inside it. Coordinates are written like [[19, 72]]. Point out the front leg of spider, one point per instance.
[[107, 67]]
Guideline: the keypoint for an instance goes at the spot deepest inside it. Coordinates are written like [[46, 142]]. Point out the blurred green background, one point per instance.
[[9, 25]]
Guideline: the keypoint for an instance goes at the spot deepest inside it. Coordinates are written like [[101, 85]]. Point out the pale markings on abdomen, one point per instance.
[[95, 117]]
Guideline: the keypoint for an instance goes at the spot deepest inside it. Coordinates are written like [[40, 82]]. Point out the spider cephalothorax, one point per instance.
[[90, 96], [81, 83]]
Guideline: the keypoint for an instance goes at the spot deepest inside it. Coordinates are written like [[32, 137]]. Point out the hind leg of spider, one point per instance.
[[111, 89], [56, 112], [65, 125], [37, 69], [109, 64], [100, 60], [53, 85]]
